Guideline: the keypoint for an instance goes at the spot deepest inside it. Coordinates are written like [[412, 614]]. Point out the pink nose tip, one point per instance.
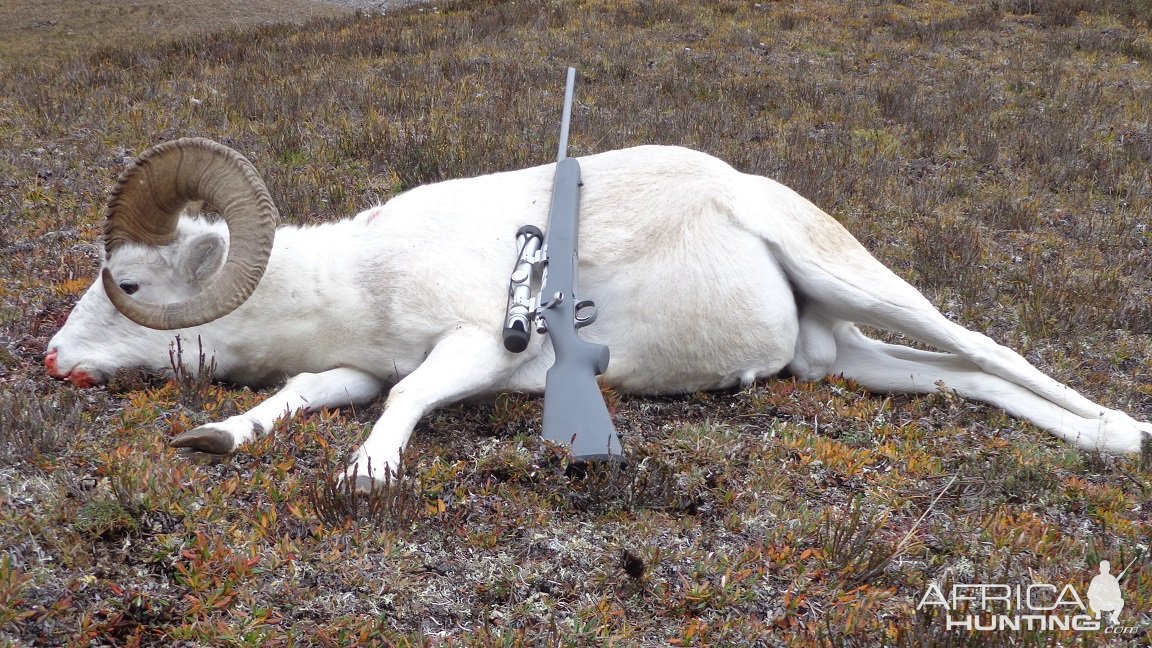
[[50, 363], [78, 378]]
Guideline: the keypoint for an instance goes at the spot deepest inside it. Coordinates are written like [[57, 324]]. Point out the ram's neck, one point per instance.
[[303, 314]]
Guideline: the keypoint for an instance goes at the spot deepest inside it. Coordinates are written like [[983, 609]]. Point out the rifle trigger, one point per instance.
[[583, 320]]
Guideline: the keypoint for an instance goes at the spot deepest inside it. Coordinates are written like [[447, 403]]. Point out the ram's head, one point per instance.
[[163, 272]]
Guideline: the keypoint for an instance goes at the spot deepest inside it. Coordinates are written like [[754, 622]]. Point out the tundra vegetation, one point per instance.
[[996, 153]]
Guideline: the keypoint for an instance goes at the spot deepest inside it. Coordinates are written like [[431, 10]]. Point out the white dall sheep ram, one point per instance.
[[704, 278]]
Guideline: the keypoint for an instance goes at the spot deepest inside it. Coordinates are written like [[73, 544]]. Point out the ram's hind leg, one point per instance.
[[839, 281], [883, 367], [304, 392]]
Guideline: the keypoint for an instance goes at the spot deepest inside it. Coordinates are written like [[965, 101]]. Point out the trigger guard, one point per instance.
[[584, 304]]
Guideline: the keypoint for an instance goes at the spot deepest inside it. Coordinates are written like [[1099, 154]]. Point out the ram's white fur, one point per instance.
[[704, 278]]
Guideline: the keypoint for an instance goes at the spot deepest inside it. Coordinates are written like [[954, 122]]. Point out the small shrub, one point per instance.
[[851, 542], [647, 484], [32, 424], [1007, 212], [395, 503], [1057, 299], [947, 253], [103, 518], [193, 387], [13, 583]]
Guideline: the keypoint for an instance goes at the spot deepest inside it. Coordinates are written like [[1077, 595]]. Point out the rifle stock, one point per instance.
[[574, 409]]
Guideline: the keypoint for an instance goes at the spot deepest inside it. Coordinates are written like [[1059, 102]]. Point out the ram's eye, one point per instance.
[[129, 287]]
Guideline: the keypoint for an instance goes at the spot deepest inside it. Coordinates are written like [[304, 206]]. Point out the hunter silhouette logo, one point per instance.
[[1104, 593], [1034, 606]]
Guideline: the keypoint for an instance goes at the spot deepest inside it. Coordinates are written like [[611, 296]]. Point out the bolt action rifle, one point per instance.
[[574, 409]]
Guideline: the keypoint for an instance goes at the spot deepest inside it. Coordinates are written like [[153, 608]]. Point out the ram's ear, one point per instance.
[[203, 256]]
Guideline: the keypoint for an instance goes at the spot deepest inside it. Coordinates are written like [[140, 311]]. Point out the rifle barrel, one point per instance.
[[569, 89]]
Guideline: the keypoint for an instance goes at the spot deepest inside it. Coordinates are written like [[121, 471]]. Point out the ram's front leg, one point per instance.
[[465, 363], [305, 392]]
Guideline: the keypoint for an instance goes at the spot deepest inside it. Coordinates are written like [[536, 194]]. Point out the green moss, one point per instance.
[[103, 518]]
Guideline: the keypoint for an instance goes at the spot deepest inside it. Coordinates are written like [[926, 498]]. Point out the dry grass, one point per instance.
[[48, 29], [994, 152]]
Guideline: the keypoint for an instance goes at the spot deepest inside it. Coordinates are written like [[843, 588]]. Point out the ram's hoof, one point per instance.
[[205, 439], [351, 482], [365, 485]]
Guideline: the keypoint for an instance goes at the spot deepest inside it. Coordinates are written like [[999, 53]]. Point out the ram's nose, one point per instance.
[[50, 364], [76, 377]]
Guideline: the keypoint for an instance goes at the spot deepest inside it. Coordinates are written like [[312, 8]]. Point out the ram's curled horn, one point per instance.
[[145, 207]]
